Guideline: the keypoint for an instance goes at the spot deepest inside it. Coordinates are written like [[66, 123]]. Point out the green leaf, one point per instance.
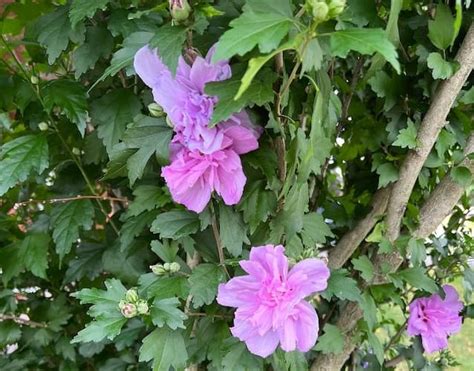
[[233, 231], [292, 216], [105, 327], [20, 157], [66, 220], [112, 113], [238, 358], [385, 87], [417, 251], [376, 346], [169, 40], [331, 341], [34, 253], [166, 348], [99, 43], [175, 224], [263, 23], [312, 57], [10, 333], [315, 230], [81, 9], [462, 176], [407, 137], [87, 263], [364, 41], [446, 140], [134, 226], [163, 287], [259, 92], [369, 308], [257, 204], [71, 98], [342, 286], [388, 174], [417, 277], [442, 69], [10, 262], [165, 311], [55, 31], [203, 283], [147, 197], [441, 30], [364, 266]]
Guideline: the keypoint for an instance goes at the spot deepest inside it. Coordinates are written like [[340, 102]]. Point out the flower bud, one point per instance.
[[142, 307], [129, 310], [174, 267], [168, 122], [131, 296], [167, 266], [155, 110], [43, 126], [336, 7], [158, 269], [122, 304], [320, 11], [34, 80], [76, 151], [179, 10]]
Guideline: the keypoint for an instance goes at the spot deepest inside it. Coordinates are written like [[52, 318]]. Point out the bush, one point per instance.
[[134, 181]]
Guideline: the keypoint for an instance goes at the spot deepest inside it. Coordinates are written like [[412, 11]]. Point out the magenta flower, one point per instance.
[[182, 97], [435, 319], [270, 303]]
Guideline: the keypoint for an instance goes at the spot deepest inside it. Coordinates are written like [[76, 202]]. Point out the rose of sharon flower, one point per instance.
[[182, 97], [435, 319], [270, 303]]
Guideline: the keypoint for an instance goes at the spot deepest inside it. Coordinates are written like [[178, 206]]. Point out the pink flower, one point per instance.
[[270, 303], [435, 319]]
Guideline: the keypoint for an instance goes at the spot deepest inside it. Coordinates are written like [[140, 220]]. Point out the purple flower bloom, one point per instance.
[[435, 319], [270, 301], [182, 97]]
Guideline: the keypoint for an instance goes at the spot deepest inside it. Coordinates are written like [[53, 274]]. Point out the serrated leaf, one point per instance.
[[20, 157], [417, 277], [263, 23], [106, 327], [99, 43], [417, 251], [441, 69], [147, 197], [369, 308], [331, 341], [175, 224], [315, 230], [87, 262], [10, 333], [364, 266], [166, 348], [71, 98], [441, 30], [112, 112], [388, 173], [312, 56], [34, 253], [233, 231], [407, 137], [342, 286], [203, 283], [238, 358], [462, 175], [81, 9], [364, 41], [292, 216], [169, 41], [66, 221], [165, 311], [257, 204], [134, 226], [376, 346]]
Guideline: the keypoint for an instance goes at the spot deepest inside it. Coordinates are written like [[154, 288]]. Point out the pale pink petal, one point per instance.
[[272, 259], [230, 180], [243, 139], [287, 335], [452, 299], [239, 291], [263, 345], [149, 66], [309, 276], [306, 326], [432, 343]]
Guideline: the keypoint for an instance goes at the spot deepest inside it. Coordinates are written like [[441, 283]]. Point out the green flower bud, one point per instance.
[[76, 151], [142, 307], [129, 310], [174, 267], [179, 10], [34, 80], [155, 110], [158, 269], [131, 296], [168, 122], [122, 304], [167, 266], [336, 7], [43, 126], [320, 11]]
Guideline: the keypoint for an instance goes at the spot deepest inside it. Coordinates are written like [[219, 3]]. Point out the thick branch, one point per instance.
[[431, 125], [352, 239], [445, 197]]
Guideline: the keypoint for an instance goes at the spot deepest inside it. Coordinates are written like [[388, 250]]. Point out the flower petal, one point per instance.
[[433, 343], [309, 276]]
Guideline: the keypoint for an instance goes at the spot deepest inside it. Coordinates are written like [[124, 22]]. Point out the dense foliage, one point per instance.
[[101, 269]]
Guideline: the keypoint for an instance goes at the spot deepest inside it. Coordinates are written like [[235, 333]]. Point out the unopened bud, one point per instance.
[[131, 296], [43, 126], [320, 11], [336, 7], [142, 307], [158, 269], [34, 80], [174, 267], [179, 10], [155, 110], [122, 304], [129, 310], [168, 122], [76, 151], [167, 266]]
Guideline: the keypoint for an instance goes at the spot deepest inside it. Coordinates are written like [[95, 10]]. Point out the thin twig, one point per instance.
[[75, 198], [397, 335], [21, 321]]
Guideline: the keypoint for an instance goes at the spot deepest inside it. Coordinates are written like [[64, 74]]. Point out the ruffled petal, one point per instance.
[[306, 327], [309, 276], [230, 180], [149, 66], [433, 343]]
